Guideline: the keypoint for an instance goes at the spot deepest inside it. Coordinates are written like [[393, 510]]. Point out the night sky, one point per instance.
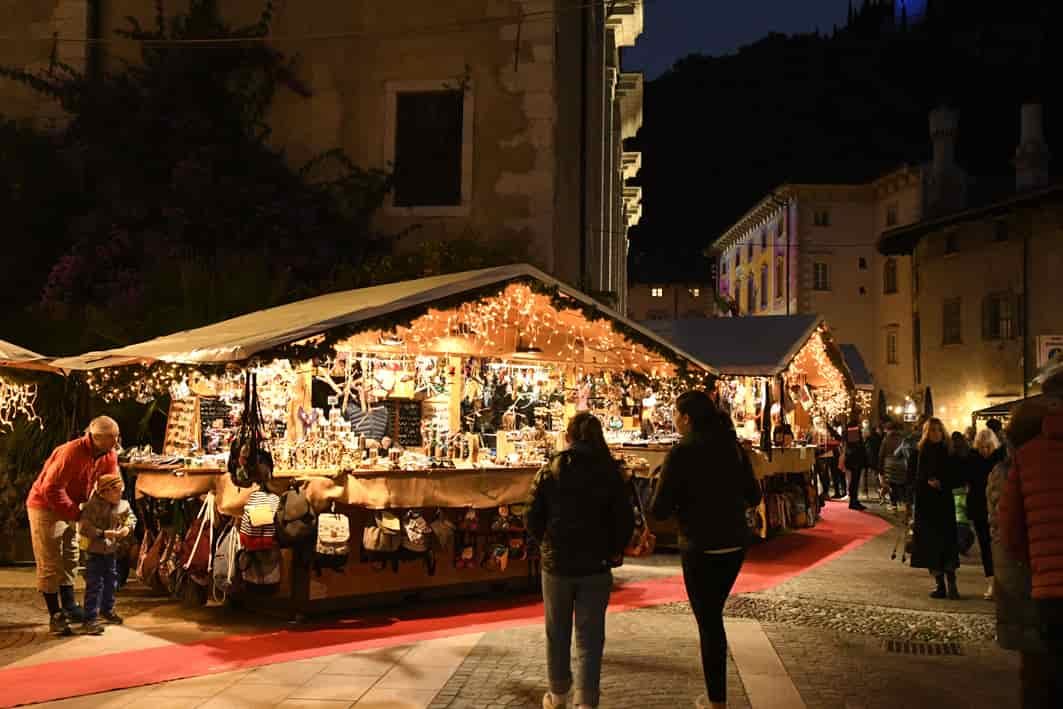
[[675, 28]]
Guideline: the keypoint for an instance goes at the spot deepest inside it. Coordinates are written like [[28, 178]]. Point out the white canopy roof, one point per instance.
[[11, 355], [244, 336]]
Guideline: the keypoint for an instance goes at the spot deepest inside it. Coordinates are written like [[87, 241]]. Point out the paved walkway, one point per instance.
[[820, 640]]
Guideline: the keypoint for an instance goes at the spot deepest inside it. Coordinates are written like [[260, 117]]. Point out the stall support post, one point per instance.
[[301, 571], [457, 387]]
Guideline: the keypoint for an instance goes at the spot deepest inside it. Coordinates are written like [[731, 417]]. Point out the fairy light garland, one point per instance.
[[831, 400], [17, 400], [516, 315]]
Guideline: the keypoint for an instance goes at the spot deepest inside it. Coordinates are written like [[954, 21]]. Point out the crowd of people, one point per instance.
[[1003, 487]]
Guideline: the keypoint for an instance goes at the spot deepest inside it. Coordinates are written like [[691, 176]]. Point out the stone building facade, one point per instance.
[[810, 249], [671, 301], [986, 286], [503, 120]]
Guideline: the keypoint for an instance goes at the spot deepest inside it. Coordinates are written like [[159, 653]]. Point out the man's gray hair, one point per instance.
[[102, 426], [986, 437]]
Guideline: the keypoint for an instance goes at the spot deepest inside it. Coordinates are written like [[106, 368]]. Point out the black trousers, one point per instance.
[[838, 476], [854, 487], [709, 579], [985, 544]]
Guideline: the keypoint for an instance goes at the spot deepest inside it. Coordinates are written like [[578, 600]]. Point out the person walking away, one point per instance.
[[1018, 627], [707, 482], [837, 475], [1031, 526], [872, 446], [987, 454], [894, 465], [106, 521], [854, 459], [582, 517], [934, 544], [53, 508], [961, 458]]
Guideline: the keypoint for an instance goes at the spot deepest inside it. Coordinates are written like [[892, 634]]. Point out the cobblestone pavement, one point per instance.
[[837, 670], [651, 660]]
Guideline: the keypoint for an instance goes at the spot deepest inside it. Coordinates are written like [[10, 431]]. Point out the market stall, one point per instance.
[[783, 380], [419, 410]]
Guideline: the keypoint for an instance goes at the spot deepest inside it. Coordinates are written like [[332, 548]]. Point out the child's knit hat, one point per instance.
[[109, 481]]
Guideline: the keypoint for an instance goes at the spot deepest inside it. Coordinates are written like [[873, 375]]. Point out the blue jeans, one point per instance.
[[101, 581], [586, 598]]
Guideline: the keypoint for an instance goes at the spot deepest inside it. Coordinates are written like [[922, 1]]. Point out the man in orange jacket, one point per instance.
[[54, 506]]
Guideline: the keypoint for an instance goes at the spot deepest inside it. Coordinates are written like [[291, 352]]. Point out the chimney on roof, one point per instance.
[[947, 183], [1032, 156]]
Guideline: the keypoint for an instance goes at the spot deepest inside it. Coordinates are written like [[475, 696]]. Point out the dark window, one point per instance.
[[780, 276], [863, 291], [763, 287], [999, 316], [764, 238], [952, 243], [891, 215], [1000, 230], [891, 347], [821, 217], [889, 276], [428, 147], [750, 295], [862, 263], [820, 276], [952, 322]]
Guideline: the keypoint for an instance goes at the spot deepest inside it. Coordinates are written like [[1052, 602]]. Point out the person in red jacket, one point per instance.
[[53, 507], [1030, 517]]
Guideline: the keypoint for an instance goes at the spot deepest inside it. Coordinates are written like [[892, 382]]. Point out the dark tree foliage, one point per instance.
[[721, 132], [186, 213]]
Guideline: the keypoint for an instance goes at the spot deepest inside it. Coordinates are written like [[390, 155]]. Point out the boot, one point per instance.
[[74, 612], [950, 582], [58, 625], [939, 592]]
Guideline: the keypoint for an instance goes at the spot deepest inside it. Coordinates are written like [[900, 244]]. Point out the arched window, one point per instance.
[[889, 276]]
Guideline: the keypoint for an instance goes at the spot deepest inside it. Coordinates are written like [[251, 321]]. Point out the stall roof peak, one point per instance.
[[244, 336], [750, 346]]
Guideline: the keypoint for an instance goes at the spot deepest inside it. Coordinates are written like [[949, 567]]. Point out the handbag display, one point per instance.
[[250, 461]]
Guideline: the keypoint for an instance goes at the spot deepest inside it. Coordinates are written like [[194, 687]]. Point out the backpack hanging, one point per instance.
[[225, 563], [295, 521], [332, 548], [257, 530]]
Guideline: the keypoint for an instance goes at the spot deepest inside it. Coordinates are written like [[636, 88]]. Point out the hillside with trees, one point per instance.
[[721, 132]]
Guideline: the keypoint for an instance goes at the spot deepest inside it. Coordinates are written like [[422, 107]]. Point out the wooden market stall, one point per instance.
[[778, 374], [437, 399]]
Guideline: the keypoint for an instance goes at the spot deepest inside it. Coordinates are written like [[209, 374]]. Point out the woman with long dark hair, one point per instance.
[[707, 481], [935, 544], [581, 514]]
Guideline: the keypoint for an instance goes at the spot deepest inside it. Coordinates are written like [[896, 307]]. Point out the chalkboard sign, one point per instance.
[[404, 422]]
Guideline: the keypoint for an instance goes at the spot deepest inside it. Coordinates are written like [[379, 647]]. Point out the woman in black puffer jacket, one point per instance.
[[707, 481], [935, 544], [582, 516]]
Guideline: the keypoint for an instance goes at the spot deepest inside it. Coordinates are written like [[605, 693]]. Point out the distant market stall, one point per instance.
[[782, 379], [418, 411]]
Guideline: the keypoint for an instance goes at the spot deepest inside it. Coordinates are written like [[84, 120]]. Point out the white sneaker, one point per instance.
[[988, 595], [555, 701]]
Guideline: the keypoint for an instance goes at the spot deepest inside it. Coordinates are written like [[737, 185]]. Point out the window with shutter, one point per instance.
[[889, 276], [1000, 316]]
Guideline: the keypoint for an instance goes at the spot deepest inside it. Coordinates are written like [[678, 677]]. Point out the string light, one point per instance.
[[17, 400], [832, 399]]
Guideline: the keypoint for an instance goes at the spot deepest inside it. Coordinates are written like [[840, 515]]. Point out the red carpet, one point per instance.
[[768, 565]]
